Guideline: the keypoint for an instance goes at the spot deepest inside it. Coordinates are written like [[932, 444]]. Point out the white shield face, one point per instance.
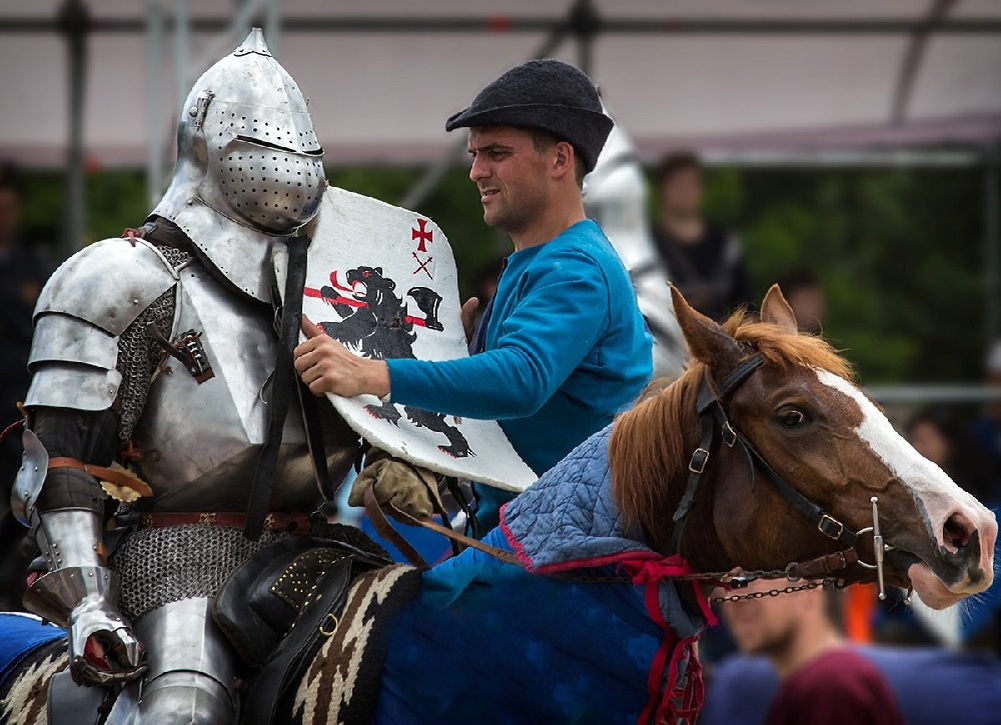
[[382, 280]]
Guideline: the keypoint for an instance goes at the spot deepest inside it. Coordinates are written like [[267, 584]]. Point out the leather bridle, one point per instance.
[[716, 429]]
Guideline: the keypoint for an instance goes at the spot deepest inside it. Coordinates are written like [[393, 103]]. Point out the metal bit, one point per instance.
[[877, 546]]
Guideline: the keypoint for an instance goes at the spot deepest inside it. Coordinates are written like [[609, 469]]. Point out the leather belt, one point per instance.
[[278, 521], [118, 476]]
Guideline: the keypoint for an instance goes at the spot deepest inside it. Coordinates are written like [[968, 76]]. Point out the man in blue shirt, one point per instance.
[[563, 346]]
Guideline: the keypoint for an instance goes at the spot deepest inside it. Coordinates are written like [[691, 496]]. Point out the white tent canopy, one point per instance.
[[732, 78]]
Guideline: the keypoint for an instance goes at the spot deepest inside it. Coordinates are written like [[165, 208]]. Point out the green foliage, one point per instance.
[[899, 252]]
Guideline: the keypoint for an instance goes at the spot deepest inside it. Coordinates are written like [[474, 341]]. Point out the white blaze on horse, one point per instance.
[[763, 456]]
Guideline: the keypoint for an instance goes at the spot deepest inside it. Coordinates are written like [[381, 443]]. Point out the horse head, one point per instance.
[[795, 416]]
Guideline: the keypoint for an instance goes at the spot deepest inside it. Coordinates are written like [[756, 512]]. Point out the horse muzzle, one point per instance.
[[955, 562]]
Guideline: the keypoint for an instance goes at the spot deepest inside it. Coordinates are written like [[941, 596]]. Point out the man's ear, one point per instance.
[[564, 161]]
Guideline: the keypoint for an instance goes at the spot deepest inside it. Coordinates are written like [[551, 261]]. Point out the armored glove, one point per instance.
[[103, 650], [409, 488]]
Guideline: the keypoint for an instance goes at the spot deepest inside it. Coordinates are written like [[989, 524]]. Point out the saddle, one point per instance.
[[278, 607]]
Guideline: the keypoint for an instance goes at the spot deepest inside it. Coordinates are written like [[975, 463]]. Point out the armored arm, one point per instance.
[[88, 304]]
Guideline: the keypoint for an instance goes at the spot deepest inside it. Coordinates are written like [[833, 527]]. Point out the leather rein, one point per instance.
[[716, 430]]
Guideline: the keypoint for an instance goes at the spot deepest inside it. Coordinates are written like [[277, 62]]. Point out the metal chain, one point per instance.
[[813, 584], [739, 581]]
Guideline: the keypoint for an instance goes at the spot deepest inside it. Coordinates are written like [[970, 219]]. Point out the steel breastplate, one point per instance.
[[200, 441]]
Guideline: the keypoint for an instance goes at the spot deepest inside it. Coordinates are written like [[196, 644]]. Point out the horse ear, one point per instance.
[[378, 271], [775, 310], [708, 341]]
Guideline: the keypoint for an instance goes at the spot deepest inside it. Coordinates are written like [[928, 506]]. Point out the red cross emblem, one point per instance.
[[422, 234]]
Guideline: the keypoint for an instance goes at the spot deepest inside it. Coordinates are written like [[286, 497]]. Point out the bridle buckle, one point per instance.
[[830, 527], [699, 459], [729, 435]]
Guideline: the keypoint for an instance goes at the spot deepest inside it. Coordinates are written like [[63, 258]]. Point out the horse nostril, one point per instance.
[[956, 532]]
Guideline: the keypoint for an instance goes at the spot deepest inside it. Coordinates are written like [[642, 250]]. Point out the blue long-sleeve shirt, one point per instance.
[[566, 349]]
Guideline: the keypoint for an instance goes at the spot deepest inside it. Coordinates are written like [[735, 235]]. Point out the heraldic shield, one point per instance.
[[382, 280]]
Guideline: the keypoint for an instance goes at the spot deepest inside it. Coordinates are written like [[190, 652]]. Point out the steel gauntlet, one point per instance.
[[81, 594]]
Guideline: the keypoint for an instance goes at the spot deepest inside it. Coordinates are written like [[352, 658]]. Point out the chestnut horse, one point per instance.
[[805, 417], [762, 453]]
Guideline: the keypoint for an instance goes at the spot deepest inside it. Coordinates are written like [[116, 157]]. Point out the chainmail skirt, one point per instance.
[[163, 565]]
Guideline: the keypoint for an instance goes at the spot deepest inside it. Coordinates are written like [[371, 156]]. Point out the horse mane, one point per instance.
[[647, 448]]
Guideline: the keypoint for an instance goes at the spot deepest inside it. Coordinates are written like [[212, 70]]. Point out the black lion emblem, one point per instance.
[[376, 322]]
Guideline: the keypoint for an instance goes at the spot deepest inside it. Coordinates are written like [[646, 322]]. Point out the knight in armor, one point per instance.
[[149, 404]]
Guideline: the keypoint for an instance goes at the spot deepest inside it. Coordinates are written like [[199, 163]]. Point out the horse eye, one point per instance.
[[792, 418]]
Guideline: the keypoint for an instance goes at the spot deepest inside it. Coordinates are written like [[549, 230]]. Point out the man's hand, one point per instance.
[[393, 480], [326, 366], [469, 317]]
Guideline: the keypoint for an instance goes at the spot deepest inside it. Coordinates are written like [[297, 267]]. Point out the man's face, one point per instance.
[[681, 193], [994, 407], [808, 305], [510, 175], [764, 626]]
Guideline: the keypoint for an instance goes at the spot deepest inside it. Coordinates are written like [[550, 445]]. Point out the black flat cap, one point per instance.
[[546, 94]]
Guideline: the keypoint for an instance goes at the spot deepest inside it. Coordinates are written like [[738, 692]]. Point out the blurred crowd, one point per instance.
[[23, 271], [814, 656]]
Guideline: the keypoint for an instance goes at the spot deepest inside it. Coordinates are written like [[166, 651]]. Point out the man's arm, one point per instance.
[[564, 312]]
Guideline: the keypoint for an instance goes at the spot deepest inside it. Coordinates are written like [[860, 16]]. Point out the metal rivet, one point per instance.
[[190, 202], [193, 111]]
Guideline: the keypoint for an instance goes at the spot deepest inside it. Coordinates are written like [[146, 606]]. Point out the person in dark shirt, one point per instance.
[[822, 679], [704, 261], [805, 295], [23, 272], [988, 426]]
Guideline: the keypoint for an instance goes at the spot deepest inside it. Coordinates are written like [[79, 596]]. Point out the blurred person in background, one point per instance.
[[947, 440], [988, 426], [23, 271], [795, 666], [706, 261], [823, 680], [805, 295]]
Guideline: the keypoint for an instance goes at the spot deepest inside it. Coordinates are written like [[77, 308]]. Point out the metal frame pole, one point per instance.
[[992, 242], [273, 27], [73, 20], [154, 56], [182, 46]]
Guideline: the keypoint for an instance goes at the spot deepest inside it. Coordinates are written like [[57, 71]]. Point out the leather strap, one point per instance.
[[119, 477], [314, 440], [812, 568], [386, 529], [823, 565], [711, 416], [826, 524], [283, 381]]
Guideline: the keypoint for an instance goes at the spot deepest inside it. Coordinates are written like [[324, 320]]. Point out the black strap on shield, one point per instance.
[[283, 382]]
